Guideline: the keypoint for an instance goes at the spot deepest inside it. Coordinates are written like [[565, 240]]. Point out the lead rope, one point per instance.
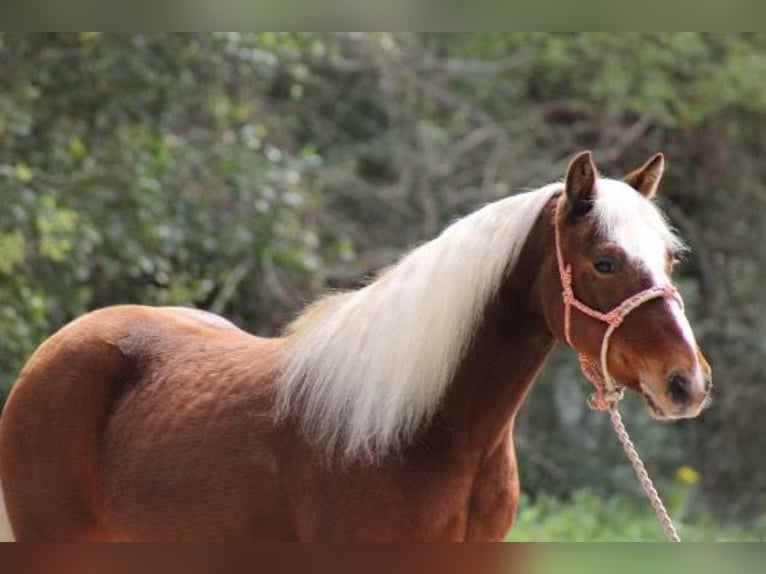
[[643, 477], [608, 394]]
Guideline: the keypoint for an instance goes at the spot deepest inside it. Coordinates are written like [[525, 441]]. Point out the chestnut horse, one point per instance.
[[383, 413]]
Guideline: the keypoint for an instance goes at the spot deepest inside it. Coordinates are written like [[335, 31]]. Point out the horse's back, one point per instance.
[[120, 404]]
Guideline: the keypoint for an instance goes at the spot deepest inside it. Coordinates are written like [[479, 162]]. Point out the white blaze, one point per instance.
[[634, 224]]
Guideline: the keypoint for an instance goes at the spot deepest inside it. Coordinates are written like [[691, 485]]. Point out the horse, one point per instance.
[[382, 413]]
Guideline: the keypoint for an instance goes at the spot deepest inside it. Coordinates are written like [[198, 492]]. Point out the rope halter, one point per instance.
[[608, 392]]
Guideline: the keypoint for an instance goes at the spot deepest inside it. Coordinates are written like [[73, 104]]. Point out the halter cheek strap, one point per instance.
[[607, 392]]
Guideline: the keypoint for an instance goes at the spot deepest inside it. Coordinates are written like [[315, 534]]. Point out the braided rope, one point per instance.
[[607, 394], [607, 399], [643, 477]]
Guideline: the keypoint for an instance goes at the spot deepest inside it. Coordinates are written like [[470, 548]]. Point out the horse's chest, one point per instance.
[[432, 494], [494, 497], [478, 505]]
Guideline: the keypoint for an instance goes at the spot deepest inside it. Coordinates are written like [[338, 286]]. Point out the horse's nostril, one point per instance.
[[678, 389]]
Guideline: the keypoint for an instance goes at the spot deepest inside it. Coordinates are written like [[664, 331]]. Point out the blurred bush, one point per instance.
[[246, 173]]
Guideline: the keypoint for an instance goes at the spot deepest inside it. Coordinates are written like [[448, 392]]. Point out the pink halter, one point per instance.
[[607, 392]]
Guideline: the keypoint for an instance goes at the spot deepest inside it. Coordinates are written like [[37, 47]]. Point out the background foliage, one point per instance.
[[245, 173]]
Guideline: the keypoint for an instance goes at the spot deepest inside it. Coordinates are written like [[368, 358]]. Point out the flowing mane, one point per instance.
[[367, 368]]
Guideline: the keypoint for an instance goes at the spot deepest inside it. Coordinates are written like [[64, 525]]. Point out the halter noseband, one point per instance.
[[608, 393]]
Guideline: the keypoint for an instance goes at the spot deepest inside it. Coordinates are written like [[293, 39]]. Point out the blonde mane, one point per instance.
[[366, 369]]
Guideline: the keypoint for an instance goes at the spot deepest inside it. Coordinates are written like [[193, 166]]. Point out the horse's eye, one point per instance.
[[605, 266]]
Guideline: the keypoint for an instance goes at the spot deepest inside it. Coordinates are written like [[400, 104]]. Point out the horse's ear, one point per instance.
[[646, 178], [581, 184]]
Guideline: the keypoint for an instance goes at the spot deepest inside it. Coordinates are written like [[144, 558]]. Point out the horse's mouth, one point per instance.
[[659, 413], [655, 410]]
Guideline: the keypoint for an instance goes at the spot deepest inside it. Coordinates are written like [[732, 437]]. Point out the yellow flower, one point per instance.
[[687, 475]]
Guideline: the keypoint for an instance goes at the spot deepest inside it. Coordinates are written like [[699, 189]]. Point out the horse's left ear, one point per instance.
[[646, 178], [580, 186]]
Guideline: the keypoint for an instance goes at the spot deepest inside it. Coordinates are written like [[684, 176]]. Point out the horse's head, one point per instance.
[[616, 244]]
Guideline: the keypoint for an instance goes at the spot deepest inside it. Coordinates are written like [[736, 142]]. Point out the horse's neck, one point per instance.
[[505, 356]]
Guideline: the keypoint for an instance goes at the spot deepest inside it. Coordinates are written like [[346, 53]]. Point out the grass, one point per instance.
[[586, 516]]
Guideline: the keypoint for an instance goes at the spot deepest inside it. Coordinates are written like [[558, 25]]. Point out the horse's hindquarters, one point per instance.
[[49, 439], [139, 423]]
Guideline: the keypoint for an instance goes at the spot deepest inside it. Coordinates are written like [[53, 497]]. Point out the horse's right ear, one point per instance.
[[580, 186], [646, 178]]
